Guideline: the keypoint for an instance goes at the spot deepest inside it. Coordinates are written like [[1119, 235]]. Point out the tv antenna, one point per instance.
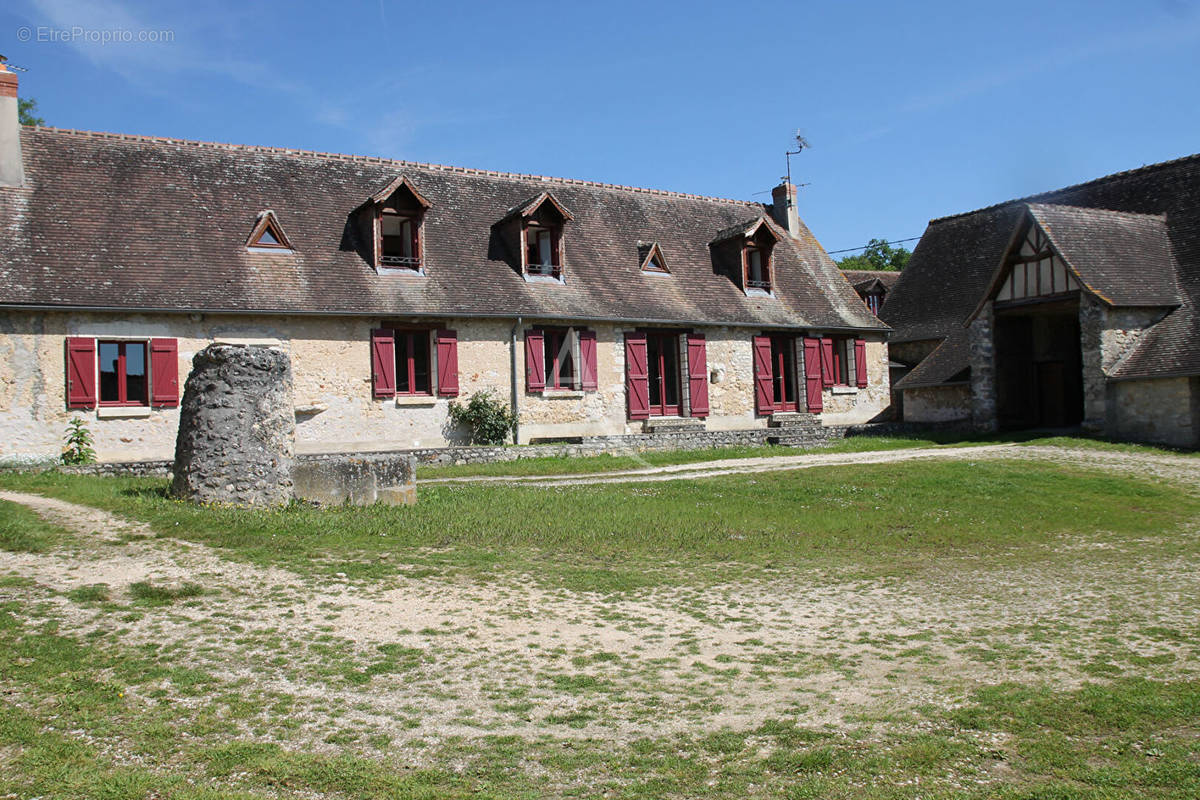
[[801, 145]]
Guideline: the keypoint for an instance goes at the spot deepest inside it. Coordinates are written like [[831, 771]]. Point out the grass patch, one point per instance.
[[605, 462], [23, 531], [149, 594], [884, 519]]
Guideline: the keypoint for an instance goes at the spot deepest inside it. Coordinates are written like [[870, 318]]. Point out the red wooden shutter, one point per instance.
[[860, 362], [829, 374], [447, 358], [383, 362], [812, 375], [697, 354], [637, 378], [81, 372], [764, 395], [587, 360], [535, 361], [164, 373]]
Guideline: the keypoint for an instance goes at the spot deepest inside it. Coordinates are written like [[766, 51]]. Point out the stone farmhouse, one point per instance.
[[1076, 306], [397, 287]]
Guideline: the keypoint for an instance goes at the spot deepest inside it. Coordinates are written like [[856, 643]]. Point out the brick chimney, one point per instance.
[[783, 208], [12, 170]]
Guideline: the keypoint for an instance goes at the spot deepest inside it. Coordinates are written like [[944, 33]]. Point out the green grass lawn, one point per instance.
[[99, 699], [880, 518], [564, 465]]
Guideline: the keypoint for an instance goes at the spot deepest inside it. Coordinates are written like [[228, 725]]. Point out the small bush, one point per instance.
[[78, 449], [489, 419]]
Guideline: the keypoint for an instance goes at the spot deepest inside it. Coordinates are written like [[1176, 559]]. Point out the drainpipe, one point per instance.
[[516, 394]]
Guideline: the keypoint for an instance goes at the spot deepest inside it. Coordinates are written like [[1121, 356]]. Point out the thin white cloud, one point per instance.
[[1057, 56]]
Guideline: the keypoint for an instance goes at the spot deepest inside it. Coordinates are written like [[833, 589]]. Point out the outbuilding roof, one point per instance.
[[1133, 238]]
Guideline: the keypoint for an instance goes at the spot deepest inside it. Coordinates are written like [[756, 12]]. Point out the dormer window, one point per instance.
[[542, 255], [393, 224], [267, 233], [532, 234], [758, 275], [652, 258], [400, 245], [744, 253]]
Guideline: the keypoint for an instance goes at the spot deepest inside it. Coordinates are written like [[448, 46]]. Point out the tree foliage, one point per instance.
[[26, 108], [878, 255]]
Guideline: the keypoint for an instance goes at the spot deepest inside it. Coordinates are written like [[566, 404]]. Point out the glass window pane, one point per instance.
[[422, 378], [391, 225], [544, 247], [135, 373], [406, 238], [670, 370], [654, 370], [403, 351], [109, 393]]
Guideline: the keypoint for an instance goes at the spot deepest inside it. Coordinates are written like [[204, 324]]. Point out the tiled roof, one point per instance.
[[863, 279], [124, 222], [1123, 259], [953, 264]]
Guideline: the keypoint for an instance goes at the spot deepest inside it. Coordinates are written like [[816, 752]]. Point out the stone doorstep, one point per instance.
[[682, 424], [794, 419]]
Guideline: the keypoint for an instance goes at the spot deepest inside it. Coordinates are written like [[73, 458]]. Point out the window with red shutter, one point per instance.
[[587, 360], [535, 363], [813, 383], [828, 365], [164, 373], [637, 378], [763, 391], [383, 362], [697, 356], [447, 357], [81, 372]]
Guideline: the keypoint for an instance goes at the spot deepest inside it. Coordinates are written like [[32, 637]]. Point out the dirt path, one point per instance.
[[1172, 467]]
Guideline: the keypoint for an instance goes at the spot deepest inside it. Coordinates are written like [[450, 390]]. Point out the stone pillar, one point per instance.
[[237, 428], [1092, 322], [981, 341]]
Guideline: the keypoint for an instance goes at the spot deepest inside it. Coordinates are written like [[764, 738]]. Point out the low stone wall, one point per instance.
[[388, 478], [390, 465]]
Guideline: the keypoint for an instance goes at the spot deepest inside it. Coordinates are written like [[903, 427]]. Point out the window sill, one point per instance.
[[122, 412], [843, 389], [414, 273], [534, 278], [555, 393], [415, 400], [751, 292]]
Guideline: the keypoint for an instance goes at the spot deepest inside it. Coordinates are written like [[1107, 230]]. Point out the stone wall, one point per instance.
[[938, 403], [334, 407], [1106, 336], [1161, 411], [980, 337]]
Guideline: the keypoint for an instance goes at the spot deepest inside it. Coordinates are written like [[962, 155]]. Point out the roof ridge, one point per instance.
[[361, 159], [1032, 197], [1095, 210]]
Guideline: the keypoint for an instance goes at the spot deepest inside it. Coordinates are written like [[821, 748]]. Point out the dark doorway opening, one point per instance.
[[1039, 368]]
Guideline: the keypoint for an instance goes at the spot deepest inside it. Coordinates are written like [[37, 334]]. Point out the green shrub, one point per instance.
[[78, 449], [489, 419]]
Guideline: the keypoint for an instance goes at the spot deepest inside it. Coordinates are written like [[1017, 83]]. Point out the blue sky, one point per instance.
[[913, 110]]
